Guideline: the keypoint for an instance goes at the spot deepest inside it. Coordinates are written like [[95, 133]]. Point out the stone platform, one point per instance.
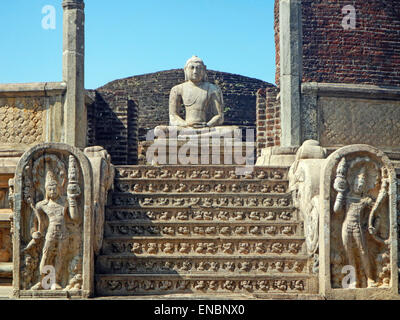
[[187, 152]]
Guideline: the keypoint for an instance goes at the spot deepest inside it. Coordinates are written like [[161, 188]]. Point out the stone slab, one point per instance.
[[32, 89]]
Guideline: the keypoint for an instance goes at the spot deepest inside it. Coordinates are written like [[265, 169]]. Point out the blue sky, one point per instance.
[[132, 37]]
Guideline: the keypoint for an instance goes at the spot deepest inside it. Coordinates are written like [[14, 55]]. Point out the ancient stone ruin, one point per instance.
[[235, 188]]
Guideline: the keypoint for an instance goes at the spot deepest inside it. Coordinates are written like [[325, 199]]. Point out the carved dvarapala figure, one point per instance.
[[53, 236], [355, 183]]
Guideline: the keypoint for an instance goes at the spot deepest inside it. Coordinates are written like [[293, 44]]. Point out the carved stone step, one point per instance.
[[176, 188], [228, 215], [168, 284], [201, 172], [282, 264], [200, 201], [197, 180], [196, 246], [203, 229]]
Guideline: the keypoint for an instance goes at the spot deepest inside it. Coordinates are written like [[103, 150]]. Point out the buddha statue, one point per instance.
[[203, 104]]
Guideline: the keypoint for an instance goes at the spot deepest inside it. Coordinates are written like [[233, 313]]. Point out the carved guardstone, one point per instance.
[[358, 229], [53, 223]]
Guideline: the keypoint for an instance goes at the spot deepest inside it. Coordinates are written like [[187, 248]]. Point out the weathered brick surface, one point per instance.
[[118, 129], [268, 119], [370, 54], [108, 124]]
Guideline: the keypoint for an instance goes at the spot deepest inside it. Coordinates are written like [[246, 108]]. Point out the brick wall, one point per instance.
[[268, 119], [370, 54], [107, 126]]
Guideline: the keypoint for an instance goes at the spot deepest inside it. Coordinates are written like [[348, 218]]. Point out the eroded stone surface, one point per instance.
[[103, 180], [304, 184], [359, 217], [348, 121], [52, 204]]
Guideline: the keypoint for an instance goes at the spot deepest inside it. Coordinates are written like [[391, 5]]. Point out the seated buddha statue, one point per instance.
[[203, 104]]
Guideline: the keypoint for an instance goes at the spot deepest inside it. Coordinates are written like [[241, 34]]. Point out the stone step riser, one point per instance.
[[168, 187], [206, 173], [202, 230], [200, 201], [106, 285], [227, 215], [190, 246], [204, 265]]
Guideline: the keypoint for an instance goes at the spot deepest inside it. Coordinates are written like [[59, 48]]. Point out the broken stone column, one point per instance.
[[75, 117]]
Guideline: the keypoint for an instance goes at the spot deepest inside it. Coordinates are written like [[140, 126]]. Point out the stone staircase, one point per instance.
[[202, 230]]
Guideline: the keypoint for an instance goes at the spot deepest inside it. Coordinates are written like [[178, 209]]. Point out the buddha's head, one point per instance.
[[195, 70]]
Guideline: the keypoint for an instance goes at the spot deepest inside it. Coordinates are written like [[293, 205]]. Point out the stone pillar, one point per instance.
[[291, 54], [75, 117]]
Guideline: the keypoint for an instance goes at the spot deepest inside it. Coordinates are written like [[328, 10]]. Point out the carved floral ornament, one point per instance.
[[270, 285], [52, 216], [229, 173], [228, 201], [121, 265], [199, 215], [234, 246]]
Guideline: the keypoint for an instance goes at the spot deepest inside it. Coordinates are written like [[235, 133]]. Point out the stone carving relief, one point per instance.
[[52, 201], [211, 200], [304, 184], [362, 234], [209, 247], [157, 214], [103, 180], [22, 125], [342, 126], [359, 251], [145, 187], [124, 229], [196, 224], [55, 221], [186, 172], [253, 285]]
